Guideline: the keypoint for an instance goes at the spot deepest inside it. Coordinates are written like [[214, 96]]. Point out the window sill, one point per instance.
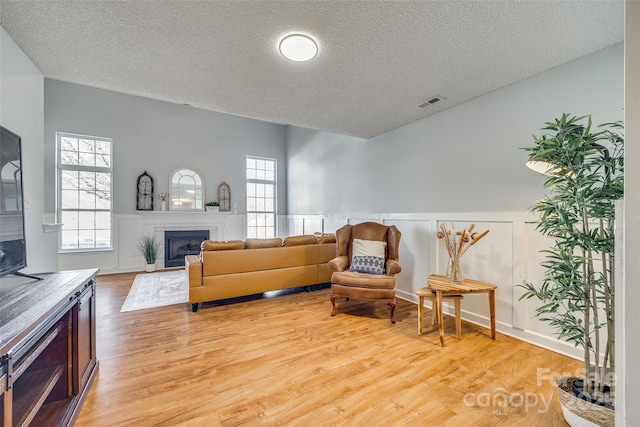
[[51, 228], [84, 251], [181, 212]]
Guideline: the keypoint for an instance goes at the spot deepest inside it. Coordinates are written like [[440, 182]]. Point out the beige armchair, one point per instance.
[[365, 265]]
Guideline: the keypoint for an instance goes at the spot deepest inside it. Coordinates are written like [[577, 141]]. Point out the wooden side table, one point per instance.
[[428, 293], [442, 286]]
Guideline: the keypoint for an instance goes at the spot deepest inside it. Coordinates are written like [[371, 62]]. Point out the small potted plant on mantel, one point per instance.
[[585, 177], [212, 206]]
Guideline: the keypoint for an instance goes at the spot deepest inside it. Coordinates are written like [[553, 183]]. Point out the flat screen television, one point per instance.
[[13, 248]]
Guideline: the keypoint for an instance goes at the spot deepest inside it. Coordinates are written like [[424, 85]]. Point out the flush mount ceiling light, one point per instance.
[[298, 47]]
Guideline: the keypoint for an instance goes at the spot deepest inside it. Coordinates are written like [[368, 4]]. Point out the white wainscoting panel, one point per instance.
[[507, 255], [127, 229]]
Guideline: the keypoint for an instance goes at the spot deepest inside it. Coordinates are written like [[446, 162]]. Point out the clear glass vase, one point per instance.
[[454, 271]]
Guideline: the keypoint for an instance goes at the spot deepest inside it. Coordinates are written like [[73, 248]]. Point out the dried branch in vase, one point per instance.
[[457, 244]]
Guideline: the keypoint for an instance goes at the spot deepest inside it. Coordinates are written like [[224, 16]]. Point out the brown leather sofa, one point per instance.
[[239, 268]]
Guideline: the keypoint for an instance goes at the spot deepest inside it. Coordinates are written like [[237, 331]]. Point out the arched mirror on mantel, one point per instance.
[[187, 190]]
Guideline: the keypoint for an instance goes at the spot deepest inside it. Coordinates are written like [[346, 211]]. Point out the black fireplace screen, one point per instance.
[[178, 244]]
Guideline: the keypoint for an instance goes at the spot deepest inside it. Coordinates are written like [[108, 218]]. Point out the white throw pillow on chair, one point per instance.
[[368, 256]]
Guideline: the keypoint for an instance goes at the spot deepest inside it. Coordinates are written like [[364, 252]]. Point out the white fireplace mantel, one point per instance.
[[157, 222], [177, 218], [169, 214]]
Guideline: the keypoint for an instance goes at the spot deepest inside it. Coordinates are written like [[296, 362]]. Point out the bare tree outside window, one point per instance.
[[261, 197], [84, 191]]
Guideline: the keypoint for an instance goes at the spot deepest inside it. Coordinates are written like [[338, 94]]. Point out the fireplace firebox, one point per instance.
[[178, 244]]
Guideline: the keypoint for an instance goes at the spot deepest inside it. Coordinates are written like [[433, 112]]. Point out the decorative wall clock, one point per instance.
[[224, 197], [144, 200]]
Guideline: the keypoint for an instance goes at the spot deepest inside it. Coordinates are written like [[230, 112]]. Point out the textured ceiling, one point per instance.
[[378, 60]]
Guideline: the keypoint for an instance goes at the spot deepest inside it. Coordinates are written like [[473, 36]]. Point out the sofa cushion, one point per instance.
[[325, 238], [258, 259], [368, 256], [299, 240], [263, 243], [211, 245]]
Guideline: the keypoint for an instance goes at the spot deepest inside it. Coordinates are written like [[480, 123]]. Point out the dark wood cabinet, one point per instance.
[[47, 347], [84, 348]]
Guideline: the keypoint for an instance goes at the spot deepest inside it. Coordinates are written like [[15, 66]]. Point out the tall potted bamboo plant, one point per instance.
[[585, 170]]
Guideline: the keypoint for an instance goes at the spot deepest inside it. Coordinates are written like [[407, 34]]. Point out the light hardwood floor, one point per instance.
[[284, 361]]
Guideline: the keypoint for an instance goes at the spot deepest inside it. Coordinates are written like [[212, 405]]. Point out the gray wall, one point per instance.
[[159, 137], [464, 159], [21, 94]]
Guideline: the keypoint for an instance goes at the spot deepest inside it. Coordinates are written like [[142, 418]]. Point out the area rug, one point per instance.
[[156, 290]]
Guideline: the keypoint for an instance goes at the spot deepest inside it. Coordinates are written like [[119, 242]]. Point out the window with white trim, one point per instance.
[[261, 197], [84, 189]]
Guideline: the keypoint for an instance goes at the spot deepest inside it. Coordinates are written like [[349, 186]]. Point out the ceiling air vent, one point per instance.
[[431, 101]]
